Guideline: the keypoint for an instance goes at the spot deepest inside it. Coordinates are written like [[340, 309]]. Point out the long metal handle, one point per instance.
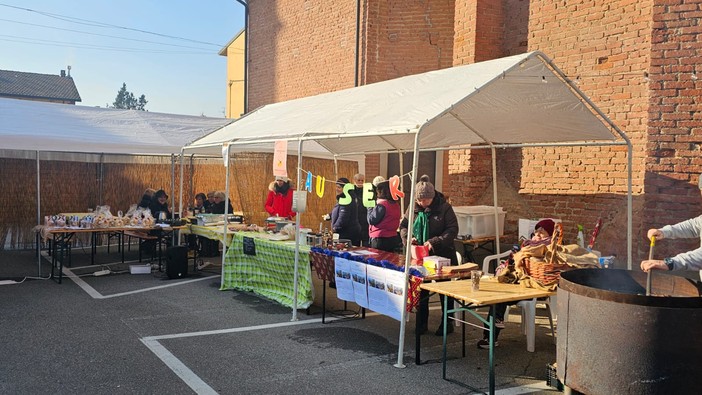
[[650, 257]]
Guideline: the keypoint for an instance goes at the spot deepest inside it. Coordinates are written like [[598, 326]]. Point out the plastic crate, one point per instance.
[[551, 377], [479, 221]]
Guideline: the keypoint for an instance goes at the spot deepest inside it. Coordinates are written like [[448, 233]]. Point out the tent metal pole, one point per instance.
[[494, 200], [38, 240], [173, 184], [297, 232], [180, 192], [226, 212], [629, 206], [408, 255], [336, 165], [401, 160]]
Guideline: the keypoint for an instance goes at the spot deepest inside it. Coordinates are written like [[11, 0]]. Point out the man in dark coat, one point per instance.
[[436, 227], [358, 181], [344, 217]]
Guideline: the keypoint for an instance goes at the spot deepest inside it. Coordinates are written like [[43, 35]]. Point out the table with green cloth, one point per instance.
[[212, 232], [254, 262]]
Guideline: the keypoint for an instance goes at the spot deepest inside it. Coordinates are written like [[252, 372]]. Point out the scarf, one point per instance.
[[420, 228]]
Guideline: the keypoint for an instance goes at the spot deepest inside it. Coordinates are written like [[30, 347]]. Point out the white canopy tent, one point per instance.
[[41, 127], [517, 101]]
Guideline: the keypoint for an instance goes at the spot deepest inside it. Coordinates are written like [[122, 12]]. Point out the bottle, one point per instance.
[[595, 232], [326, 237], [580, 237]]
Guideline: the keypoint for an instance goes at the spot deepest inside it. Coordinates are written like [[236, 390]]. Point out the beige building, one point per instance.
[[234, 51]]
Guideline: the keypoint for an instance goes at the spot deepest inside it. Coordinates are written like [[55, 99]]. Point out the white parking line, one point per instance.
[[179, 368], [97, 295], [200, 387], [525, 389]]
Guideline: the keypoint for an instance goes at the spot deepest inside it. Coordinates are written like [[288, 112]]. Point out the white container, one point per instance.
[[479, 221], [140, 269]]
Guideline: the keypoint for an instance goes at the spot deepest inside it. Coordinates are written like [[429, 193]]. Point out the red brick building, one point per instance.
[[638, 61]]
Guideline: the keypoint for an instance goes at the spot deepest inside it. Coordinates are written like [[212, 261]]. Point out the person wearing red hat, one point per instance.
[[543, 230]]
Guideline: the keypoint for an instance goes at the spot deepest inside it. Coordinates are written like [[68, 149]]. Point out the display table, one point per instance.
[[256, 263], [61, 239], [491, 292], [212, 232]]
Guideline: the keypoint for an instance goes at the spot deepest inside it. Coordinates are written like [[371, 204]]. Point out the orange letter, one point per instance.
[[395, 188]]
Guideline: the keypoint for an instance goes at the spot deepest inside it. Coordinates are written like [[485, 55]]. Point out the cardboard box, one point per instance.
[[479, 221], [434, 263]]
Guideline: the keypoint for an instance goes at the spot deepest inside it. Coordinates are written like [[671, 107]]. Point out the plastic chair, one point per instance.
[[528, 307]]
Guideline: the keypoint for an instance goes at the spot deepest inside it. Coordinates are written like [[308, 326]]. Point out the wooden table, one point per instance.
[[469, 246], [61, 239], [491, 292]]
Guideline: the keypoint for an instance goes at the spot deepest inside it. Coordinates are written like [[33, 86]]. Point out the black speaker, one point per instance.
[[177, 262]]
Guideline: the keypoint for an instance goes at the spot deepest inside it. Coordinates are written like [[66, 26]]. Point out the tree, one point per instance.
[[126, 100]]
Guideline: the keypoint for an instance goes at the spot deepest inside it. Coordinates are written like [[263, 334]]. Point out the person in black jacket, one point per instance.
[[146, 198], [218, 206], [436, 227], [358, 181], [344, 217], [160, 204]]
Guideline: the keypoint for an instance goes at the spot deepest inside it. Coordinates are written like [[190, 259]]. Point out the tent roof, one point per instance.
[[513, 100], [40, 126]]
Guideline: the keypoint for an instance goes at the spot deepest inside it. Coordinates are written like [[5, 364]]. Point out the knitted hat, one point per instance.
[[281, 178], [378, 179], [425, 189], [547, 224], [342, 181]]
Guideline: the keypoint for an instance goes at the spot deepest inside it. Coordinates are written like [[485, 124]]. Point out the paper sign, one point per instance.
[[342, 275], [359, 280], [280, 157], [225, 156]]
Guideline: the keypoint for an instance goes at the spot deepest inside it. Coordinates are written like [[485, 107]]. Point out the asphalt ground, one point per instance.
[[146, 334]]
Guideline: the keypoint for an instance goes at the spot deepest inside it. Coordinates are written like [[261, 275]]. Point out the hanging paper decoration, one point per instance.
[[346, 199], [308, 183], [395, 191], [320, 186], [368, 195]]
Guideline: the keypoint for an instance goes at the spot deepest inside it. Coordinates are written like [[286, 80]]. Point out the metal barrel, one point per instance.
[[613, 339]]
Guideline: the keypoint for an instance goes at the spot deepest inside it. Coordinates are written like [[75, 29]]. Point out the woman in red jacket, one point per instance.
[[280, 196]]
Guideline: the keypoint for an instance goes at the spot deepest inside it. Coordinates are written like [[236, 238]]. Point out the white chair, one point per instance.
[[528, 307]]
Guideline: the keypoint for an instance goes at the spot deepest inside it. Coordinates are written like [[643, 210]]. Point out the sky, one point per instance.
[[165, 50]]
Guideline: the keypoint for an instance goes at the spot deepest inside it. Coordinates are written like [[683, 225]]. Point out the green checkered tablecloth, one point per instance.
[[270, 272]]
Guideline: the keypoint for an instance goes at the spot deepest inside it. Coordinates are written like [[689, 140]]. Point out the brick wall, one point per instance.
[[407, 37], [673, 162], [602, 46], [300, 48]]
